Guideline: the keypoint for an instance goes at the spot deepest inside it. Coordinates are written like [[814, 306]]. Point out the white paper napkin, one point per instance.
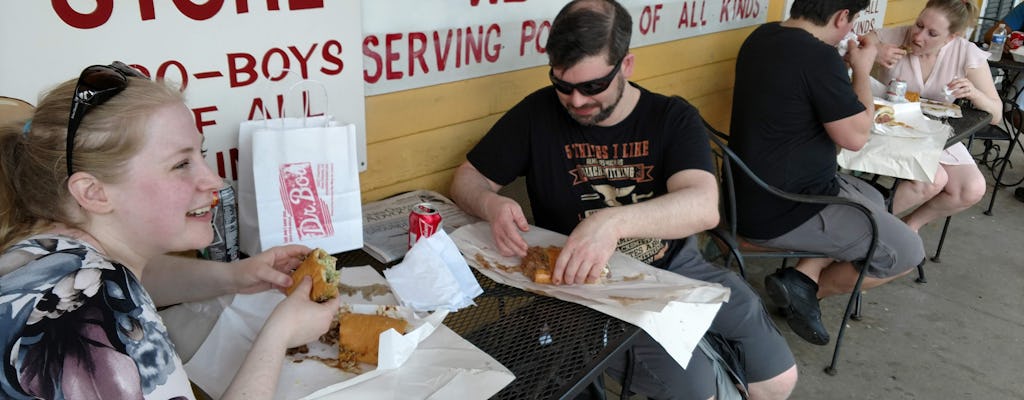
[[433, 276]]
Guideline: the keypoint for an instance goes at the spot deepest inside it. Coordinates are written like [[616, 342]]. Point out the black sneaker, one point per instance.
[[1019, 194], [797, 295]]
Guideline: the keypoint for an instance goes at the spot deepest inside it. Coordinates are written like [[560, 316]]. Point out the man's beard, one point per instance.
[[605, 111]]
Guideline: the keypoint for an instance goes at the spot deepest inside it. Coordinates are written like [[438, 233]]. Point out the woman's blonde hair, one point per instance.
[[962, 14], [33, 173]]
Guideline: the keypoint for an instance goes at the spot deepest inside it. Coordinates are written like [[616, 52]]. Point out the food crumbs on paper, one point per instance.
[[627, 300], [368, 292], [637, 277]]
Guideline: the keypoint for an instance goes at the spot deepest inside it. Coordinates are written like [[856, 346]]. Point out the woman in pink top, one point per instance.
[[935, 60]]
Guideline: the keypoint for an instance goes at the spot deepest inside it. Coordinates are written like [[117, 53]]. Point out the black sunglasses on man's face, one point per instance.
[[589, 88], [96, 85]]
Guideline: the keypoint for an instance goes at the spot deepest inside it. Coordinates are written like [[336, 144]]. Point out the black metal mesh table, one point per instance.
[[555, 348]]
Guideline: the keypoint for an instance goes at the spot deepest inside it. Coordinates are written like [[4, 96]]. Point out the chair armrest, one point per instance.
[[723, 238]]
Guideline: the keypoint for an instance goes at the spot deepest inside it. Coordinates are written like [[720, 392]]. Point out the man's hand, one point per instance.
[[587, 250], [269, 269], [862, 56], [507, 221]]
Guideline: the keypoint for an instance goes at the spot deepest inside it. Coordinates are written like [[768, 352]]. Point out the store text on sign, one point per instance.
[[147, 11], [311, 216]]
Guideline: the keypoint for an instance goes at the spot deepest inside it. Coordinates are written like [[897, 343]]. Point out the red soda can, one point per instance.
[[1015, 40], [896, 91], [424, 220]]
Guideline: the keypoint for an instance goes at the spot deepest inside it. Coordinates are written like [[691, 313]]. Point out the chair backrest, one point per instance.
[[730, 161]]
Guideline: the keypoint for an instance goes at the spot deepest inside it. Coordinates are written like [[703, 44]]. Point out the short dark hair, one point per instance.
[[819, 11], [585, 28]]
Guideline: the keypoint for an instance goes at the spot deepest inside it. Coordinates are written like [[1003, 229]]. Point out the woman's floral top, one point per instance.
[[75, 325]]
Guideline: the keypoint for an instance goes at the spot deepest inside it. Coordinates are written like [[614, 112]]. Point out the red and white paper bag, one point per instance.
[[306, 187]]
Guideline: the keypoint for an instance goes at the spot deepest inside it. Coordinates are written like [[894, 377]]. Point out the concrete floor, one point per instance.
[[958, 336]]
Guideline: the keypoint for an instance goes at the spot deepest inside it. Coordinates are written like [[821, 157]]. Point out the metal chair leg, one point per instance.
[[855, 299], [1002, 169], [857, 307], [938, 250]]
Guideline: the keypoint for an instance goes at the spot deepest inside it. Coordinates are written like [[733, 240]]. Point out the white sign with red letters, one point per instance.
[[238, 60], [415, 43], [869, 19]]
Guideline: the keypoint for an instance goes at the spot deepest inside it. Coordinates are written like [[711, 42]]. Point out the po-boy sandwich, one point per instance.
[[319, 266]]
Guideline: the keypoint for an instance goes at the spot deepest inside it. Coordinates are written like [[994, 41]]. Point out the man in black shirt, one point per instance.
[[615, 166], [793, 104]]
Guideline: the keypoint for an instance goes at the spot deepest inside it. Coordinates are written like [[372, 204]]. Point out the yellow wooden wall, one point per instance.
[[416, 138]]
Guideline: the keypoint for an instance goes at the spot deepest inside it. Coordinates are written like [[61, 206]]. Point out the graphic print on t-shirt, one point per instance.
[[611, 176]]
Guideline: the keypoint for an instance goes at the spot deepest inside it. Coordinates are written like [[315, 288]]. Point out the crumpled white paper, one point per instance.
[[438, 363], [908, 153], [671, 308], [433, 275]]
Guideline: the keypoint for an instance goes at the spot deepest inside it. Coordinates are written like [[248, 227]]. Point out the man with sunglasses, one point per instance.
[[617, 167]]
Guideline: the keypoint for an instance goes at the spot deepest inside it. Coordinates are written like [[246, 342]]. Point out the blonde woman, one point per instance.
[[106, 177], [935, 60]]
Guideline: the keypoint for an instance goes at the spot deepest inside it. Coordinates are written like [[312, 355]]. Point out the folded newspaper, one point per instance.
[[386, 222]]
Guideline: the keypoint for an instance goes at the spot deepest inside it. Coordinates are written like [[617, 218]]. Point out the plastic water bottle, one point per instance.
[[998, 40]]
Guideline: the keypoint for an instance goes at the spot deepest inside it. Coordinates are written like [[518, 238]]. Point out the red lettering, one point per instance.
[[233, 157], [649, 19], [442, 58], [248, 69], [285, 64], [258, 107], [473, 46], [161, 72], [199, 12], [99, 16], [220, 165], [529, 32], [391, 56], [141, 69], [532, 33], [492, 56], [331, 52], [146, 10], [232, 160], [474, 3], [303, 58], [368, 43], [307, 108], [458, 49], [723, 16], [688, 18], [197, 113], [305, 4], [416, 52]]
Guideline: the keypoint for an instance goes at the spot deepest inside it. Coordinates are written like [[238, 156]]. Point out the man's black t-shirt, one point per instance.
[[573, 170], [788, 84]]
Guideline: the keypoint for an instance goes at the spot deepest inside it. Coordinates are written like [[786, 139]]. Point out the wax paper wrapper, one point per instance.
[[909, 149], [673, 309], [427, 360], [940, 109], [433, 275]]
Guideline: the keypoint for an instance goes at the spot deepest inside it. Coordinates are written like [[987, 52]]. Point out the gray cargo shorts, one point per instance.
[[842, 233]]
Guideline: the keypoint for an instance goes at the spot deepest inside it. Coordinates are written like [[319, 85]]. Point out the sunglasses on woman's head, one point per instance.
[[96, 85], [589, 88]]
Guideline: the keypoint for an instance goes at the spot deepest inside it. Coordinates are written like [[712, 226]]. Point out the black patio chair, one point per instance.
[[728, 160]]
